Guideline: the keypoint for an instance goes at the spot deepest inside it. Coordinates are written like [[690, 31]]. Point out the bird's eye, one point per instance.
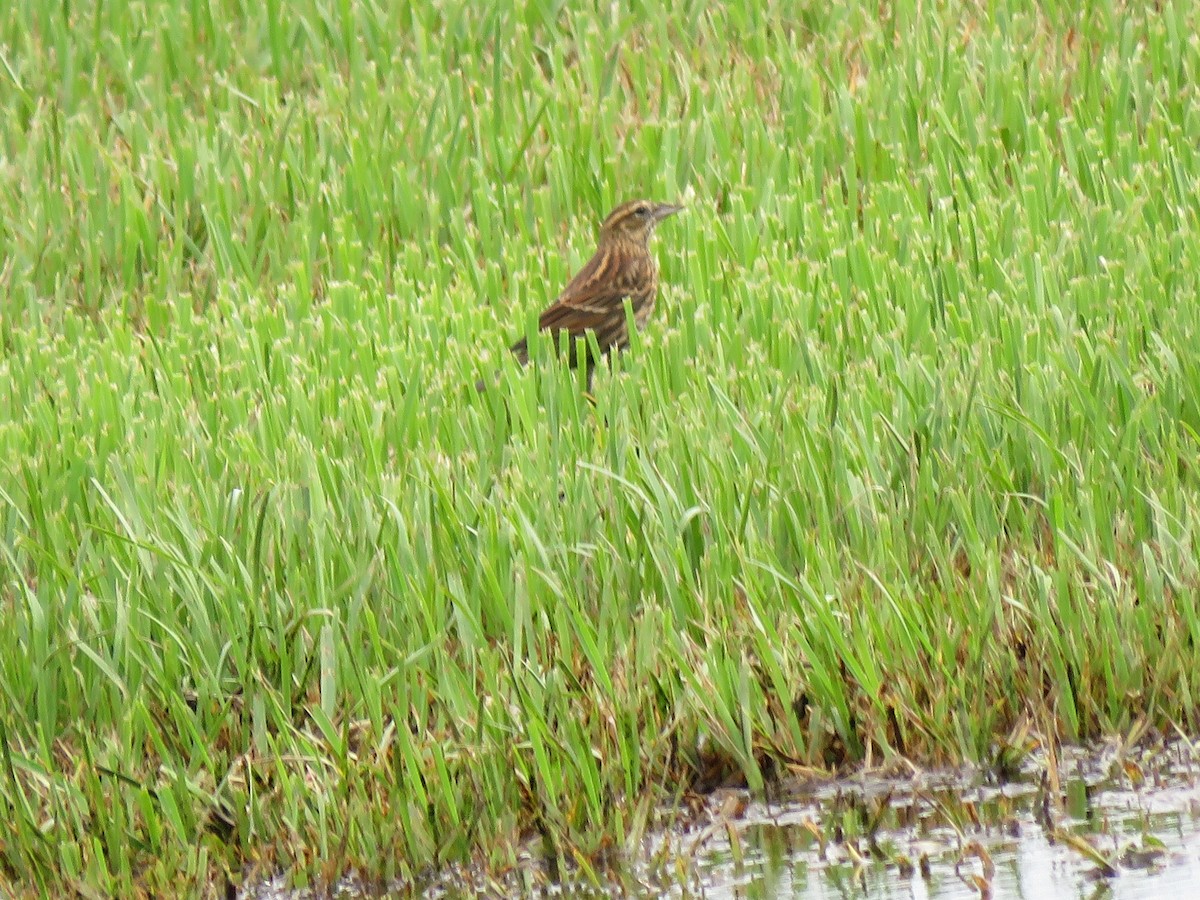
[[643, 211]]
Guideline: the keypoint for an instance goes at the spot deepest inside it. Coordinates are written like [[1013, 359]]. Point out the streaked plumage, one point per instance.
[[621, 268]]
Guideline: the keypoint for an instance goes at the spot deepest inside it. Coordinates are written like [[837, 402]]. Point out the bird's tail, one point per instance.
[[520, 350]]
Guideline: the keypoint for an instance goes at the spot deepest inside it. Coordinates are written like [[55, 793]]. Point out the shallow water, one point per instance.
[[1108, 822], [1142, 817]]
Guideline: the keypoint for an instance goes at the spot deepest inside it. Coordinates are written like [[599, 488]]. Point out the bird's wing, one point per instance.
[[582, 313], [595, 301], [595, 294]]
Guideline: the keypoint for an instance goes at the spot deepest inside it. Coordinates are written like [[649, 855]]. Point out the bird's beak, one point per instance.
[[665, 209]]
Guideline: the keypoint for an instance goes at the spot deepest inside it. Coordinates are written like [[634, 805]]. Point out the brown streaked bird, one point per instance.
[[622, 268]]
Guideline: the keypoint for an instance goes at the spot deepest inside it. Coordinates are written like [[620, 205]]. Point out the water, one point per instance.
[[1140, 819], [1108, 822]]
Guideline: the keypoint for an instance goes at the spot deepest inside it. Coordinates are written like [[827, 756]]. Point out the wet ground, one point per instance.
[[1109, 822]]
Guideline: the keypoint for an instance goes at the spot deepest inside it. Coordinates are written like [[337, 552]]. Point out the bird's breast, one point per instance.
[[645, 292]]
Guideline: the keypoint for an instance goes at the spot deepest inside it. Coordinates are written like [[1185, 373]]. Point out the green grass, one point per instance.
[[905, 461]]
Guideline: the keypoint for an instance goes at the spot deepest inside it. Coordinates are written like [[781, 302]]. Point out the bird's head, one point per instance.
[[635, 220]]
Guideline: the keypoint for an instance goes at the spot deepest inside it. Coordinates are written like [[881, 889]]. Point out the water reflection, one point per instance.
[[1114, 828]]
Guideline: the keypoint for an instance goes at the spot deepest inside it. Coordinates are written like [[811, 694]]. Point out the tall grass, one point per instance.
[[904, 464]]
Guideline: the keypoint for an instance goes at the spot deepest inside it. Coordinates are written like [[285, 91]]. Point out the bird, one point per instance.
[[622, 268]]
